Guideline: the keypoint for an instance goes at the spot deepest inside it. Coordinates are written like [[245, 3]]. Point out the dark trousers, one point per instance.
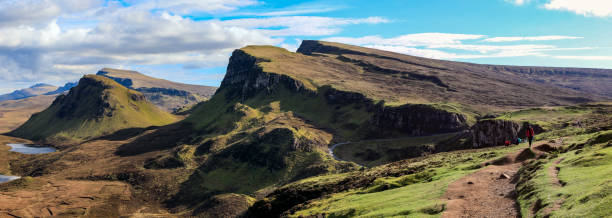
[[530, 140]]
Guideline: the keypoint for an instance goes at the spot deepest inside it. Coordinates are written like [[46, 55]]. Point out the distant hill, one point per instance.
[[276, 112], [267, 132], [13, 113], [594, 81], [171, 96], [97, 106], [34, 90], [62, 89]]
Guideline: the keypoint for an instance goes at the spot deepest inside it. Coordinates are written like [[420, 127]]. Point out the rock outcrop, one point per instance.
[[493, 132], [417, 120], [92, 92], [244, 77]]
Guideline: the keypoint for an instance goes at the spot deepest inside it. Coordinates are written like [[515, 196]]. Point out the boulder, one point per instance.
[[487, 133]]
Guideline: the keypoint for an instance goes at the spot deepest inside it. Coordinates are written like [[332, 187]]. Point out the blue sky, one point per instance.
[[56, 41]]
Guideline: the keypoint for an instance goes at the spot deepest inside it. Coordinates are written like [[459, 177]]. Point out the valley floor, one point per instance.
[[566, 174], [469, 183]]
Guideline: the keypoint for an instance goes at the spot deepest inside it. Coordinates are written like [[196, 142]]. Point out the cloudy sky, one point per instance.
[[56, 41]]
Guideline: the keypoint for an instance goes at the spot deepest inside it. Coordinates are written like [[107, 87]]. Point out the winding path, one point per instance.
[[491, 191], [331, 151]]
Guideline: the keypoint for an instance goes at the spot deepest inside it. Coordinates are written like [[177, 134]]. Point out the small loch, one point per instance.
[[30, 149], [4, 178]]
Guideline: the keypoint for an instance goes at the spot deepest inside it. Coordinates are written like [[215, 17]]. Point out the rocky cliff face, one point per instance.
[[488, 133], [417, 120], [90, 90], [245, 78]]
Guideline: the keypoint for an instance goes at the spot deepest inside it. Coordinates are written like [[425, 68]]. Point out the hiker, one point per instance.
[[529, 133], [517, 141]]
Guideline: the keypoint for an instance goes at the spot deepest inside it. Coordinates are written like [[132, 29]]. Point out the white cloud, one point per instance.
[[587, 58], [598, 8], [53, 40], [518, 2], [529, 38], [300, 25], [33, 12], [418, 39], [454, 46], [295, 12], [427, 53], [195, 6]]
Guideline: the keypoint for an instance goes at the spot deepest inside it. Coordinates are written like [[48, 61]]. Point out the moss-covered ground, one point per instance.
[[413, 195], [576, 182]]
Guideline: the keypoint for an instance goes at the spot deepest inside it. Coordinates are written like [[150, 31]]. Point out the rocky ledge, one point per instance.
[[245, 78]]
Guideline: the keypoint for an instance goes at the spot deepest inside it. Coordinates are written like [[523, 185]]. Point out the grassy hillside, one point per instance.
[[574, 182], [416, 194], [571, 180], [276, 112], [171, 96], [262, 141], [96, 107], [410, 79], [242, 148]]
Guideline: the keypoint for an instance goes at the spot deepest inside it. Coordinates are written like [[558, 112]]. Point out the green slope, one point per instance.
[[96, 107], [414, 187], [585, 185], [276, 113]]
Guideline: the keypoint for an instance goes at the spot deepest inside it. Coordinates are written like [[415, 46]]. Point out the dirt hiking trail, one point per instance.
[[491, 191]]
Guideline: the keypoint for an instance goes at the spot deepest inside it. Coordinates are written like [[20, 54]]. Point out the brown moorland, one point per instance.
[[13, 113], [253, 143]]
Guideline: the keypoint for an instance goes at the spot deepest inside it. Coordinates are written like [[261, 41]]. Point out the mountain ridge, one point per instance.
[[171, 96], [95, 107], [260, 146], [34, 90]]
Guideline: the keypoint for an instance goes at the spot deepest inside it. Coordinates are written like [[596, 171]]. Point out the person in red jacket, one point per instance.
[[529, 133]]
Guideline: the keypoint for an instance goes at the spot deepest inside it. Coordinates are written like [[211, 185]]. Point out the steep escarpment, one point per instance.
[[267, 126], [480, 88], [97, 106], [417, 120], [244, 77], [171, 96], [248, 76]]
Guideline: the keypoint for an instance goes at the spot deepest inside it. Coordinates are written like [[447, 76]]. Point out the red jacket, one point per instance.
[[529, 132]]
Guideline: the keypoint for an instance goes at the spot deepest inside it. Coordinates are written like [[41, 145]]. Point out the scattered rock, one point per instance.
[[470, 183], [504, 176]]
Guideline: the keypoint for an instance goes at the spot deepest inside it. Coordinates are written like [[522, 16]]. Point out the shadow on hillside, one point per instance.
[[162, 138], [125, 134]]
